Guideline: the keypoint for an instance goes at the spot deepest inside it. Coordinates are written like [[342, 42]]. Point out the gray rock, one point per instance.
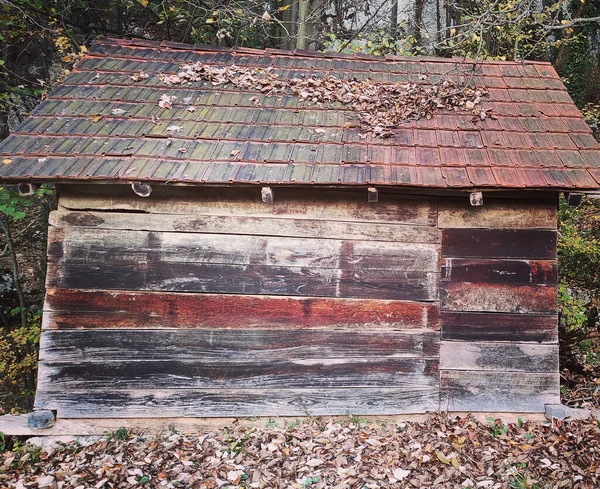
[[41, 419]]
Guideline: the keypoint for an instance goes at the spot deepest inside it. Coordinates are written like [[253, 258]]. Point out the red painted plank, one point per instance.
[[91, 309]]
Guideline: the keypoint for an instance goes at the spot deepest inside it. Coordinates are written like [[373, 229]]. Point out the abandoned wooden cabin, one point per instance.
[[236, 253]]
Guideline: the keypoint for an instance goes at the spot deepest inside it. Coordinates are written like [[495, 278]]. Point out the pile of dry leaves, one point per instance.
[[316, 454], [380, 107]]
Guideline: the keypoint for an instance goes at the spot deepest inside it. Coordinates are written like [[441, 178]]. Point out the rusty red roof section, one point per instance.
[[100, 124]]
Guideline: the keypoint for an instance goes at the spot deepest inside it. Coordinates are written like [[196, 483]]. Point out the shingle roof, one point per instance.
[[538, 138]]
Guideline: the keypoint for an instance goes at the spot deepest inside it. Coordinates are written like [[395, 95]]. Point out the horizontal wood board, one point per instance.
[[490, 297], [463, 390], [399, 373], [249, 279], [499, 243], [473, 326], [238, 402], [497, 213], [290, 203], [259, 226], [226, 346], [499, 271], [91, 309], [97, 246], [506, 357]]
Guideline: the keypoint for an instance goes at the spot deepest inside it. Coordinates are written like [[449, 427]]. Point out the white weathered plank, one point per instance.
[[464, 390], [259, 226], [238, 403], [509, 357], [324, 203], [497, 214]]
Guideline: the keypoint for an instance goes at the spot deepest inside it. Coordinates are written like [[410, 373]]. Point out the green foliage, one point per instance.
[[579, 252], [18, 361], [496, 427]]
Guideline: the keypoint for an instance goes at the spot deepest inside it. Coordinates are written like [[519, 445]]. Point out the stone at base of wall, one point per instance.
[[560, 412]]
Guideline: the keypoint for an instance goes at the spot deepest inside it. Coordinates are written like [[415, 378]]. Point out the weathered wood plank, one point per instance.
[[501, 271], [463, 390], [243, 279], [260, 226], [465, 296], [238, 402], [497, 213], [470, 326], [507, 357], [326, 204], [224, 346], [69, 309], [93, 246], [406, 373], [499, 243]]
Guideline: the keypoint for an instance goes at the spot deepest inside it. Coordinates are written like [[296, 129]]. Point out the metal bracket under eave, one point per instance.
[[574, 198]]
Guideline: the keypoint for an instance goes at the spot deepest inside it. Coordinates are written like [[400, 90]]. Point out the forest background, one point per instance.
[[41, 39]]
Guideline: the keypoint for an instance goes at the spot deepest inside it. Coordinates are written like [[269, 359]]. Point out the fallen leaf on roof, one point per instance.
[[6, 161], [235, 153], [174, 128], [191, 109], [320, 131], [254, 99], [168, 142], [97, 118], [141, 75], [380, 107], [182, 150], [166, 101], [156, 120], [117, 112]]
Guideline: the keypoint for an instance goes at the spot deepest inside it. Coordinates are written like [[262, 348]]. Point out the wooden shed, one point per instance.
[[285, 262]]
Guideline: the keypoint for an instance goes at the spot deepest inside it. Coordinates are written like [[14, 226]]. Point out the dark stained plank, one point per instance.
[[238, 403], [94, 246], [508, 357], [499, 271], [296, 203], [259, 226], [499, 243], [473, 326], [465, 296], [69, 309], [225, 346], [463, 390], [406, 373], [242, 279], [497, 213]]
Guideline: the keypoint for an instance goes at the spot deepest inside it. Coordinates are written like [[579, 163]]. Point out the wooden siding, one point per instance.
[[209, 302], [498, 304], [213, 303]]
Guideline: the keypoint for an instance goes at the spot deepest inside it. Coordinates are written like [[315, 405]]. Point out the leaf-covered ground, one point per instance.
[[317, 454]]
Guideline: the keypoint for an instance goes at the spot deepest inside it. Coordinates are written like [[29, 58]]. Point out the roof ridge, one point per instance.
[[304, 53]]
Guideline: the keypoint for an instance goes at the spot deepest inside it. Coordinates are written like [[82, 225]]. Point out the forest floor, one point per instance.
[[441, 452]]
